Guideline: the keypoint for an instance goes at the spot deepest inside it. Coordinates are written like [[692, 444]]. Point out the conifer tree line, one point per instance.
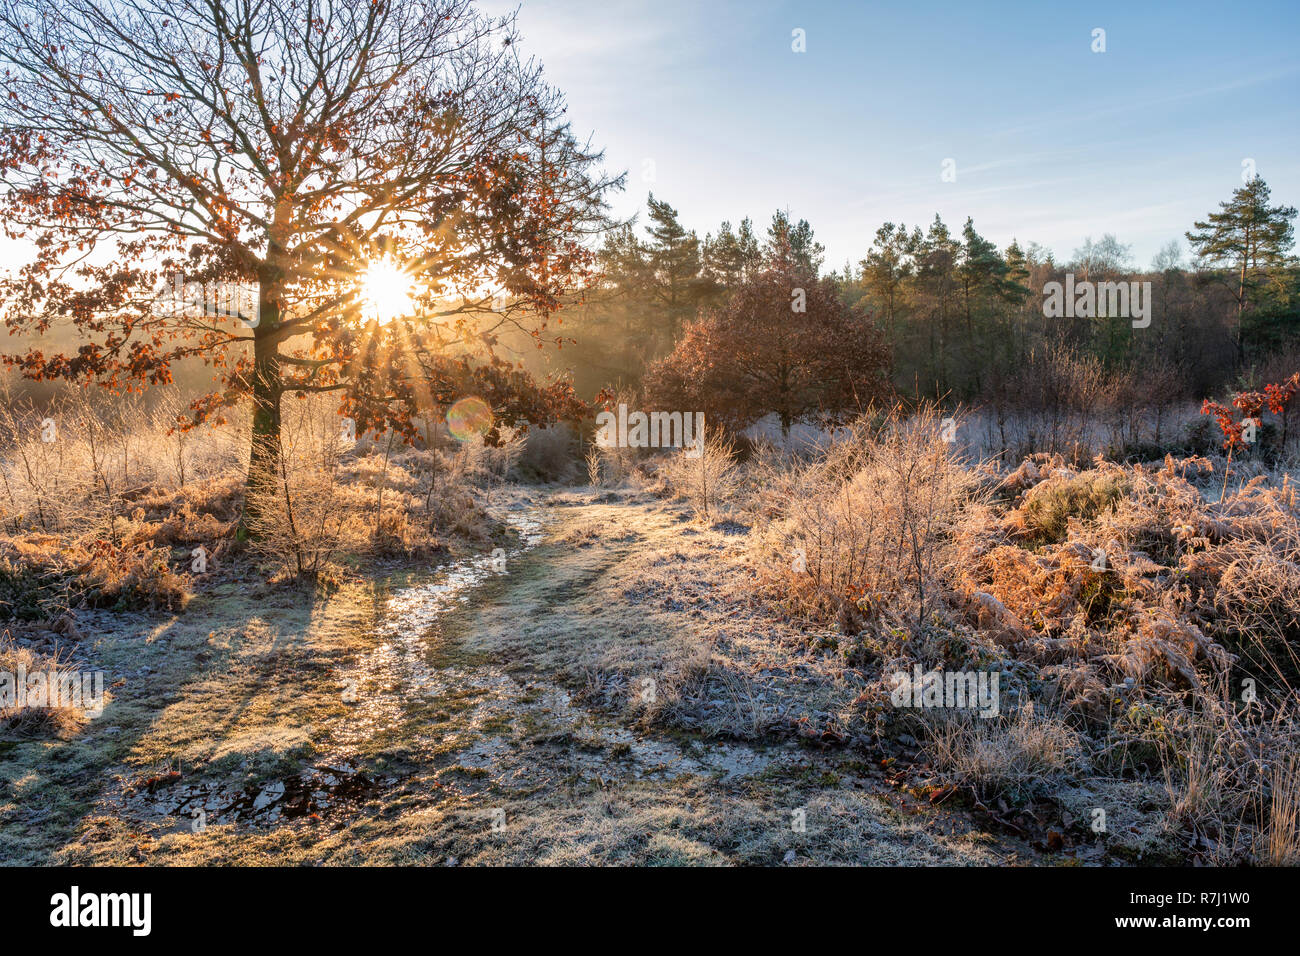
[[955, 317]]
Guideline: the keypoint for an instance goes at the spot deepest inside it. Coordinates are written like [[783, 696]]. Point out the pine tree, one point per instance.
[[790, 244], [1251, 237], [984, 278], [1017, 267], [725, 257], [678, 287], [885, 272], [936, 260]]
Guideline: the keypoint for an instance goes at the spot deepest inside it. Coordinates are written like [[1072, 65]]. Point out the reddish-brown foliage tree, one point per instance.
[[784, 344], [285, 148]]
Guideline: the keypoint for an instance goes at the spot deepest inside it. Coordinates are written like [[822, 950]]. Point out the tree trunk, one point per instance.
[[1241, 308], [783, 404], [1241, 301], [264, 447]]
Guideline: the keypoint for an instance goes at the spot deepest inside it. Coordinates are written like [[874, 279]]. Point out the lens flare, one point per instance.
[[469, 417]]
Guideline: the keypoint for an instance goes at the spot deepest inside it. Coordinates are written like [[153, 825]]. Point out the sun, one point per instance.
[[386, 292]]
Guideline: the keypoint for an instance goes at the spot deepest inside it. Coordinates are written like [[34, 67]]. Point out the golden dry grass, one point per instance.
[[109, 504], [28, 718], [1156, 621]]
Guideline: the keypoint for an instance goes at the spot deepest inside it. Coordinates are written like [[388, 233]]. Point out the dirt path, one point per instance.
[[608, 697]]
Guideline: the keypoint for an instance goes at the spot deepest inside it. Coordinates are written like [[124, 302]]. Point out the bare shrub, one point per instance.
[[335, 497], [617, 464], [477, 462], [1057, 393], [177, 441], [708, 479], [302, 522], [43, 474], [870, 526]]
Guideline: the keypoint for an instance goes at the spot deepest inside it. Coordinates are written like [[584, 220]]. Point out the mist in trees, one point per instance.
[[956, 317]]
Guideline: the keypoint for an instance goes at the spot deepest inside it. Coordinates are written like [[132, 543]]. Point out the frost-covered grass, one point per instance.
[[657, 682], [1137, 608]]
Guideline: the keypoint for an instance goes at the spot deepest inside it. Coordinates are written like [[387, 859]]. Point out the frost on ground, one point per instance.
[[611, 696], [694, 665]]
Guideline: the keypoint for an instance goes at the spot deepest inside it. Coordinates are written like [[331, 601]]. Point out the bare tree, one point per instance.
[[286, 147]]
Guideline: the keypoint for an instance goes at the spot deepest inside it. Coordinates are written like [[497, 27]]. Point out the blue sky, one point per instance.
[[1051, 141]]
